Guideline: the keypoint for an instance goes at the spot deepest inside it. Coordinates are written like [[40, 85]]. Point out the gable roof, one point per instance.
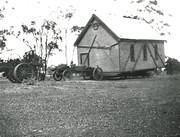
[[123, 28]]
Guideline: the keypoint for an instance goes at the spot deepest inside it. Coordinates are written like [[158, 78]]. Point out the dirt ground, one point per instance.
[[111, 108]]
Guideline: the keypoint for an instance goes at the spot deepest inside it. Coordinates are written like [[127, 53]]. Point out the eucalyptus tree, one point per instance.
[[42, 38], [151, 12], [4, 8]]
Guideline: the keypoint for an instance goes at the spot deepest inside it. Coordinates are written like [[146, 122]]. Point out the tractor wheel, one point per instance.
[[97, 73], [67, 74], [23, 71], [57, 76]]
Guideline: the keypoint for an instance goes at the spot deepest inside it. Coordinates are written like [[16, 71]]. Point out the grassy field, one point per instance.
[[120, 108]]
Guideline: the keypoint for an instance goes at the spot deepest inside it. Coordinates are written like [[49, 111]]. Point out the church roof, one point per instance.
[[123, 28]]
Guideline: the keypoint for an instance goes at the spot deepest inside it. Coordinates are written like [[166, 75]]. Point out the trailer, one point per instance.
[[67, 72], [84, 71]]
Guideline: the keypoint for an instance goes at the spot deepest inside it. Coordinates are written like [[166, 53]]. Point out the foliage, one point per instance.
[[77, 28], [4, 6], [46, 32], [172, 66], [42, 38], [150, 12], [2, 9], [2, 44], [3, 32], [48, 28]]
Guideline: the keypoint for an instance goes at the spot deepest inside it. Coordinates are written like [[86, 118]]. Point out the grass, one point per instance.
[[137, 108]]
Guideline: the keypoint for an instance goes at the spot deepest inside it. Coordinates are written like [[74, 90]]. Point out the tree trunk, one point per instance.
[[46, 54]]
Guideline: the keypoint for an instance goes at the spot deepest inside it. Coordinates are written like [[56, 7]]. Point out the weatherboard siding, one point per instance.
[[103, 39], [101, 54], [104, 58], [128, 65], [116, 58]]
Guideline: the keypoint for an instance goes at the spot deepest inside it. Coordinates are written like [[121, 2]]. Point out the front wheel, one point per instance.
[[57, 76], [97, 73]]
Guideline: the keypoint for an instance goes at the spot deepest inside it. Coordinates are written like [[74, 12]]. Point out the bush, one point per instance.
[[172, 66]]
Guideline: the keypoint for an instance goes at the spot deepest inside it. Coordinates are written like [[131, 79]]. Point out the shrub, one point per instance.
[[172, 66]]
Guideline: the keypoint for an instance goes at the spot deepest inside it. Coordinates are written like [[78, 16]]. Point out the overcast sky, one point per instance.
[[27, 10]]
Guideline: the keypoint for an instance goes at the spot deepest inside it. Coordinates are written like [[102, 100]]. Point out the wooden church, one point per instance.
[[120, 46]]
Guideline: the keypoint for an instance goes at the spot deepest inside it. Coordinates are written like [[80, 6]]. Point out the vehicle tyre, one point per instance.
[[57, 76], [23, 71], [67, 74]]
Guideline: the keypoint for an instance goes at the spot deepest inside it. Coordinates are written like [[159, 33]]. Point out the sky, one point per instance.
[[27, 10]]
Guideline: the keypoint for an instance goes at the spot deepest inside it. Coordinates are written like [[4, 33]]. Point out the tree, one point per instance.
[[150, 12], [65, 17], [172, 66], [3, 32], [2, 9], [43, 39], [77, 28], [46, 36]]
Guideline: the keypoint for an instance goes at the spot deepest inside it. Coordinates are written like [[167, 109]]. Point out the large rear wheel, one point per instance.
[[23, 71]]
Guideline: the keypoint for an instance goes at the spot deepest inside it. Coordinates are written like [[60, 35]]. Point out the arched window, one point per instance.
[[145, 52], [132, 54], [156, 51]]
